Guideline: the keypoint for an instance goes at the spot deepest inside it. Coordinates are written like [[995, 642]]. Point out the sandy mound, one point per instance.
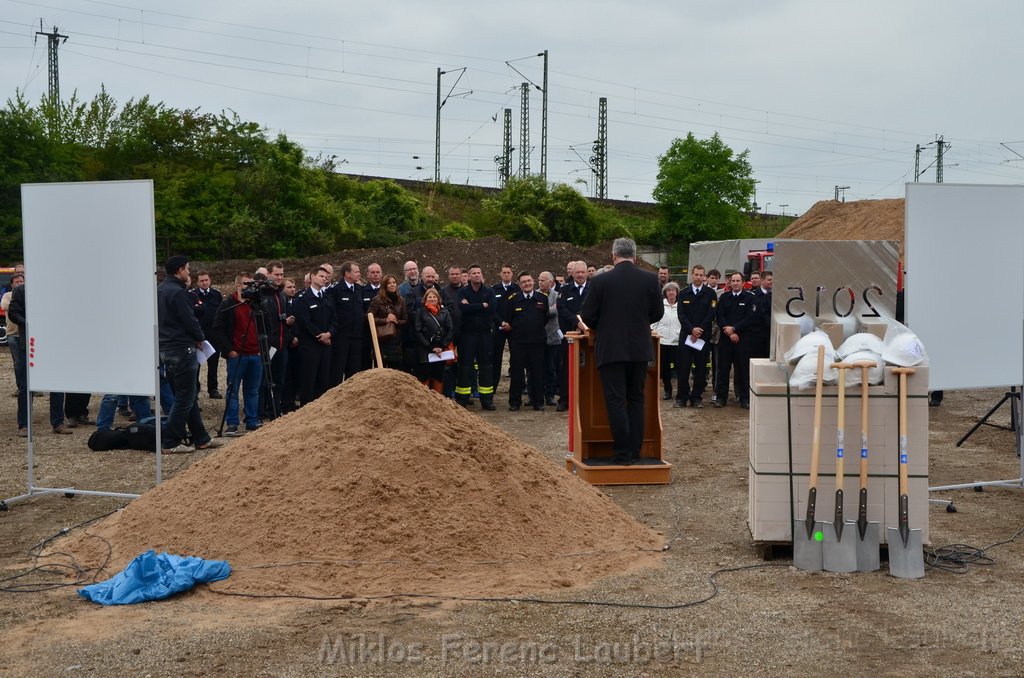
[[860, 220], [380, 486]]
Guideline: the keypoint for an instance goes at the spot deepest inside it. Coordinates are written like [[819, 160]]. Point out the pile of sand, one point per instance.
[[380, 486], [860, 220]]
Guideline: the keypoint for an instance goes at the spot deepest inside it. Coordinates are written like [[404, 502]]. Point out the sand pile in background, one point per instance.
[[860, 220], [386, 487]]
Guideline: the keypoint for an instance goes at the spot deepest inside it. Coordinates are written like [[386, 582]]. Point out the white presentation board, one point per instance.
[[90, 286], [964, 295]]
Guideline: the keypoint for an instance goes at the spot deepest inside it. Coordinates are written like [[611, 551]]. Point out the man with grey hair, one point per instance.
[[554, 338], [570, 301], [620, 307]]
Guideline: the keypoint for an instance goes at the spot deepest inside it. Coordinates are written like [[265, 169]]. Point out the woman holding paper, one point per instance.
[[668, 329], [433, 332]]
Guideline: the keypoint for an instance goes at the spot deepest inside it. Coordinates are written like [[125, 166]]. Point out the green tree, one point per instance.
[[528, 210], [703, 190]]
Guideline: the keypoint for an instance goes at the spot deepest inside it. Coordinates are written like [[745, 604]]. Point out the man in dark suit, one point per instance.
[[503, 293], [205, 302], [314, 324], [696, 309], [760, 339], [526, 316], [569, 303], [620, 307], [350, 326], [737, 313]]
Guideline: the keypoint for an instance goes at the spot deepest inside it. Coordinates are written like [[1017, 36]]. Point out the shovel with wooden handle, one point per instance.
[[839, 554], [906, 551], [867, 532], [373, 337], [807, 533]]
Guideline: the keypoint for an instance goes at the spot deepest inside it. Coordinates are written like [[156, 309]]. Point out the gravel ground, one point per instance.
[[767, 619]]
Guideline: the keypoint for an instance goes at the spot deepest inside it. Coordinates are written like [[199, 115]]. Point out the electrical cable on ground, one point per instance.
[[957, 558]]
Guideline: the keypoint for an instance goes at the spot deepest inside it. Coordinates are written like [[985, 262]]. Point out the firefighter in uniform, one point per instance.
[[696, 308], [476, 340], [526, 315], [737, 312]]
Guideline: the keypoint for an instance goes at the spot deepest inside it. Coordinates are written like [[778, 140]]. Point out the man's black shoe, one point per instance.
[[215, 395], [667, 396], [745, 406], [538, 408], [514, 408], [488, 406], [680, 403], [562, 407], [718, 403], [550, 402], [696, 404]]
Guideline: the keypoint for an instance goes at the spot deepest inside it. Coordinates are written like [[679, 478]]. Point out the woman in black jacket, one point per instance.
[[388, 308], [433, 330]]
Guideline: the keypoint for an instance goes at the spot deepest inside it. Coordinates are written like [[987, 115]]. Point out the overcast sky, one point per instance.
[[822, 93]]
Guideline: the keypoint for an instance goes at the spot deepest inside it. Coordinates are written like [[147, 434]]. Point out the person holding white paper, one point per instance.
[[696, 309], [434, 331]]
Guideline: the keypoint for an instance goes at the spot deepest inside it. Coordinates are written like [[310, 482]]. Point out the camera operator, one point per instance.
[[280, 321], [236, 336]]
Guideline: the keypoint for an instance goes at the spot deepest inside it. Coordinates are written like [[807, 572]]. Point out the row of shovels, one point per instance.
[[847, 546]]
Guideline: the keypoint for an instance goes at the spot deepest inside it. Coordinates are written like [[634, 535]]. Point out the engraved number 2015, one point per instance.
[[844, 301]]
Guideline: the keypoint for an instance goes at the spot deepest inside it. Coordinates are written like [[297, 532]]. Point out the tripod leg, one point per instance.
[[984, 419]]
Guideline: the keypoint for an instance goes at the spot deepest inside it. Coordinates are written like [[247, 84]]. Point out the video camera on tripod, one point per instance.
[[255, 289]]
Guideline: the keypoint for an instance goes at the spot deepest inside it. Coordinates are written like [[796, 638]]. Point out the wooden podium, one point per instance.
[[590, 438]]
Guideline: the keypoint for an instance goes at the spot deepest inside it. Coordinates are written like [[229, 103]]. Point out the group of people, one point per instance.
[[708, 331], [286, 340], [285, 346]]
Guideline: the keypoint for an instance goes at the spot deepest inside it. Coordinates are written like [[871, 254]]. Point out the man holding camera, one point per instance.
[[236, 336], [280, 331]]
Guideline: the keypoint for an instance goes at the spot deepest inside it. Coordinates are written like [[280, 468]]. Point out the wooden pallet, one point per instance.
[[647, 471]]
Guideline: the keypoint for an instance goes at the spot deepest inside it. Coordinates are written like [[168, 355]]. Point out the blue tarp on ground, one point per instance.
[[153, 576]]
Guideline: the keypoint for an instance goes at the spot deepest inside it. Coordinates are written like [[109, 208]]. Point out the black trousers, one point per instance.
[[563, 373], [346, 358], [529, 357], [735, 358], [623, 385], [314, 370], [551, 355], [76, 405], [211, 372], [669, 367], [278, 370], [497, 353], [696, 361], [475, 354], [291, 381]]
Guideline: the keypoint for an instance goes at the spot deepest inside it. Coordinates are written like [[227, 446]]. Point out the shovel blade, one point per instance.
[[867, 548], [807, 551], [839, 551], [906, 561]]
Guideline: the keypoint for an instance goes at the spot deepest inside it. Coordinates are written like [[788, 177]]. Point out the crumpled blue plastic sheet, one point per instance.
[[154, 576]]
